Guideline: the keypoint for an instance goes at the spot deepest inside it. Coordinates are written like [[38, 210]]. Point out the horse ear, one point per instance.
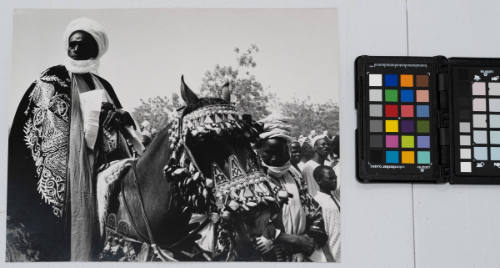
[[226, 92], [187, 94]]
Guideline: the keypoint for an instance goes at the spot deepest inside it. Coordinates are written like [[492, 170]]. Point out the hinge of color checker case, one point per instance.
[[443, 119]]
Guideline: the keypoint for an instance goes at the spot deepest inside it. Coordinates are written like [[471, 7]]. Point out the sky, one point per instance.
[[151, 48]]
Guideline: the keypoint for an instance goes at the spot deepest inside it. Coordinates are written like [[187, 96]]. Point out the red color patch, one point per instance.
[[391, 110]]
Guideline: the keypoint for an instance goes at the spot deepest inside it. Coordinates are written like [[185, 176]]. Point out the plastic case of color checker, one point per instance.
[[428, 119]]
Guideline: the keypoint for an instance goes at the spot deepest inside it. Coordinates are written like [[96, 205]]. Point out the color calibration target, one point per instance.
[[480, 139], [399, 119]]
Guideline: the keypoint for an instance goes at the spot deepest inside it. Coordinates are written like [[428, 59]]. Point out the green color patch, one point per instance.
[[423, 126], [407, 141], [391, 95]]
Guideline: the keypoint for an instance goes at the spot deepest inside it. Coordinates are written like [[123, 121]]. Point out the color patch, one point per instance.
[[392, 157], [391, 80], [375, 95], [479, 136], [494, 105], [391, 95], [408, 157], [423, 141], [392, 141], [407, 141], [376, 126], [391, 126], [481, 153], [407, 95], [406, 80], [422, 110], [391, 110], [423, 126], [465, 153], [494, 120], [465, 140], [376, 156], [407, 126], [423, 157], [494, 89], [465, 167], [495, 153], [376, 110], [479, 105], [464, 127], [495, 137], [407, 111], [376, 141], [375, 80], [422, 95], [478, 88], [479, 120], [422, 80]]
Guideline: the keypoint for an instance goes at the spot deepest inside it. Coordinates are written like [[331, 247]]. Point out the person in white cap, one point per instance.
[[320, 145], [303, 227], [67, 124]]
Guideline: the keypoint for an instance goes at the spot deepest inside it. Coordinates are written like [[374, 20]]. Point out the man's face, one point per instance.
[[328, 180], [82, 46], [321, 147], [295, 152], [274, 152]]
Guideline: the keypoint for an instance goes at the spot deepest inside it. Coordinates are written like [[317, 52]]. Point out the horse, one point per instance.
[[200, 179]]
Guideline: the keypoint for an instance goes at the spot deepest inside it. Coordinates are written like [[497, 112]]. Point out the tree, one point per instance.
[[156, 110], [247, 93], [306, 116]]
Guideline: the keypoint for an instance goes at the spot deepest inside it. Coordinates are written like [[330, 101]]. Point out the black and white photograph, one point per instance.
[[174, 134]]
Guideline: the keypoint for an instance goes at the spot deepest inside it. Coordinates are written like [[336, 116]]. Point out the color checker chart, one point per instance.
[[396, 136], [399, 119]]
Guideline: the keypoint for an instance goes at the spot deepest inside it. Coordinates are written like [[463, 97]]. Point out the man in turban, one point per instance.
[[303, 231], [68, 124]]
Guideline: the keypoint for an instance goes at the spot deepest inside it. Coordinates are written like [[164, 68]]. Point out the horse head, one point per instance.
[[218, 172], [202, 165]]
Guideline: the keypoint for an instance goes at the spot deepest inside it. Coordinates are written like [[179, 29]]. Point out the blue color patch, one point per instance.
[[407, 95], [422, 110], [391, 80], [392, 157]]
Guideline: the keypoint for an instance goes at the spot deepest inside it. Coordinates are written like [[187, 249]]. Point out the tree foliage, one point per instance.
[[246, 92], [306, 116], [156, 110]]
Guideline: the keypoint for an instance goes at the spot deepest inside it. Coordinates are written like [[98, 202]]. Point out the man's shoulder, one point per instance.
[[58, 70], [55, 75]]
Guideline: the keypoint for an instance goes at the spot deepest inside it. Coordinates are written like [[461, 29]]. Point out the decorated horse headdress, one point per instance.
[[245, 187]]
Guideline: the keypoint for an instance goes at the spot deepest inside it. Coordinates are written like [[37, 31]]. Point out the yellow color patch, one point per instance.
[[408, 157], [406, 80], [391, 126]]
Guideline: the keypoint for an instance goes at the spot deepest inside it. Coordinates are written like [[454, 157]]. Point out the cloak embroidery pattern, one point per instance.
[[46, 133]]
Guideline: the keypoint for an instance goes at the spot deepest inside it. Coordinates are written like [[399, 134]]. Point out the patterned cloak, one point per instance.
[[38, 167]]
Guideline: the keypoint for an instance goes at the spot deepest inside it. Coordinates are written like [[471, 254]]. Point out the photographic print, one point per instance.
[[174, 135]]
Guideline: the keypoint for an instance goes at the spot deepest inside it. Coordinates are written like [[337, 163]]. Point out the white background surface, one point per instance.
[[383, 225]]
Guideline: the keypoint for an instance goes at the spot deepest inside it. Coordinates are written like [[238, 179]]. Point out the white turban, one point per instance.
[[97, 32], [91, 27], [276, 126]]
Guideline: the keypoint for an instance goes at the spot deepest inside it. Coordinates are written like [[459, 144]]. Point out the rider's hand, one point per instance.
[[115, 118], [264, 245]]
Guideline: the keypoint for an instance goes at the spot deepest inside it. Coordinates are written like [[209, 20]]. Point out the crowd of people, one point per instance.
[[307, 167]]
